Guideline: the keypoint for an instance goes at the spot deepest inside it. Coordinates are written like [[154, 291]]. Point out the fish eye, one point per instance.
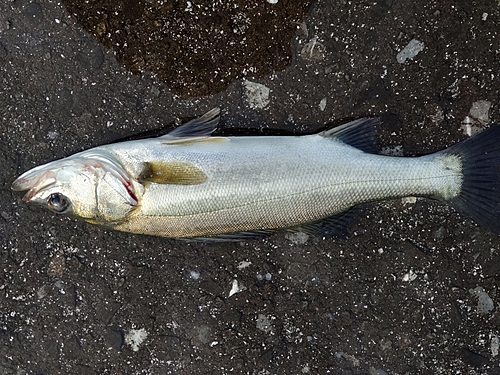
[[58, 202]]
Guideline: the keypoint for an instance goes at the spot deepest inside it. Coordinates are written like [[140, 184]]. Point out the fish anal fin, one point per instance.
[[337, 226], [172, 172], [358, 133]]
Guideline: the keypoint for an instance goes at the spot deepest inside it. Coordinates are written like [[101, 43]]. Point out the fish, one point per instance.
[[191, 184]]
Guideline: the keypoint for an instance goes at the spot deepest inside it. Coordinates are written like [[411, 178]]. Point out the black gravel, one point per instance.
[[398, 296]]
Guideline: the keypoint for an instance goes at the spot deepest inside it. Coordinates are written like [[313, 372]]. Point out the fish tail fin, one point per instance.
[[479, 196]]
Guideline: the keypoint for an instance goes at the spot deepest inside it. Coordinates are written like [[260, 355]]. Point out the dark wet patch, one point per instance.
[[196, 48]]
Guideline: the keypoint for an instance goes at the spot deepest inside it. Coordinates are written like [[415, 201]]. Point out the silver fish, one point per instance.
[[191, 184]]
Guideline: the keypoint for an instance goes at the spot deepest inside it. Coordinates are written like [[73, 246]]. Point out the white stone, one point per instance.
[[298, 238], [480, 111], [477, 118], [257, 95], [410, 276], [135, 338], [244, 264], [322, 104], [410, 51], [495, 345], [484, 302], [236, 288]]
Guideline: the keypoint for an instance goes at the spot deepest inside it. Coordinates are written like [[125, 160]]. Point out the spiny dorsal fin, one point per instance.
[[172, 172], [188, 141], [358, 133], [202, 126]]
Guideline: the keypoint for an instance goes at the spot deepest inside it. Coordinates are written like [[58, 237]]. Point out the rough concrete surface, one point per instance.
[[413, 290]]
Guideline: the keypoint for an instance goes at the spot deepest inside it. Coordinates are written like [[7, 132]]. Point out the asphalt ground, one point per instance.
[[413, 288]]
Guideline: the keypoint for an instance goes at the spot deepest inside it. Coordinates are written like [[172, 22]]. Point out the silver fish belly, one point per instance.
[[189, 184]]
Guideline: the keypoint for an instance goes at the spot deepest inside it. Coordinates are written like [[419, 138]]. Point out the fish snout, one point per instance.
[[33, 181], [20, 184]]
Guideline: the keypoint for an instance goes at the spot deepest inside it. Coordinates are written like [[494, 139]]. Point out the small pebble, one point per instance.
[[410, 51], [257, 95]]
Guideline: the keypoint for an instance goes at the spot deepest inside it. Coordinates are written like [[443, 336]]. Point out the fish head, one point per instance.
[[91, 187]]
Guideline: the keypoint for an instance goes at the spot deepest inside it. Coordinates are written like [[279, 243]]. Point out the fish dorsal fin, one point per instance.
[[172, 172], [358, 133], [187, 141], [202, 126]]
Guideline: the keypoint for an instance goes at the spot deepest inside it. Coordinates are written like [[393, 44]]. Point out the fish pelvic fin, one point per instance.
[[358, 133], [479, 196], [232, 237]]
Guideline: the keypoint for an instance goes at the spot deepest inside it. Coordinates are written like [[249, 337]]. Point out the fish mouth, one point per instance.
[[34, 180]]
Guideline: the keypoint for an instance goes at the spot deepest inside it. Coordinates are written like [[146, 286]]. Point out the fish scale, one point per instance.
[[319, 178]]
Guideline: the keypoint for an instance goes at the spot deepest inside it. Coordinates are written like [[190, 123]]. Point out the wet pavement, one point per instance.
[[413, 289]]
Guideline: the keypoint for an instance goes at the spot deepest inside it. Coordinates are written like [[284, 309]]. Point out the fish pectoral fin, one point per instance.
[[172, 172], [337, 226], [203, 126]]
